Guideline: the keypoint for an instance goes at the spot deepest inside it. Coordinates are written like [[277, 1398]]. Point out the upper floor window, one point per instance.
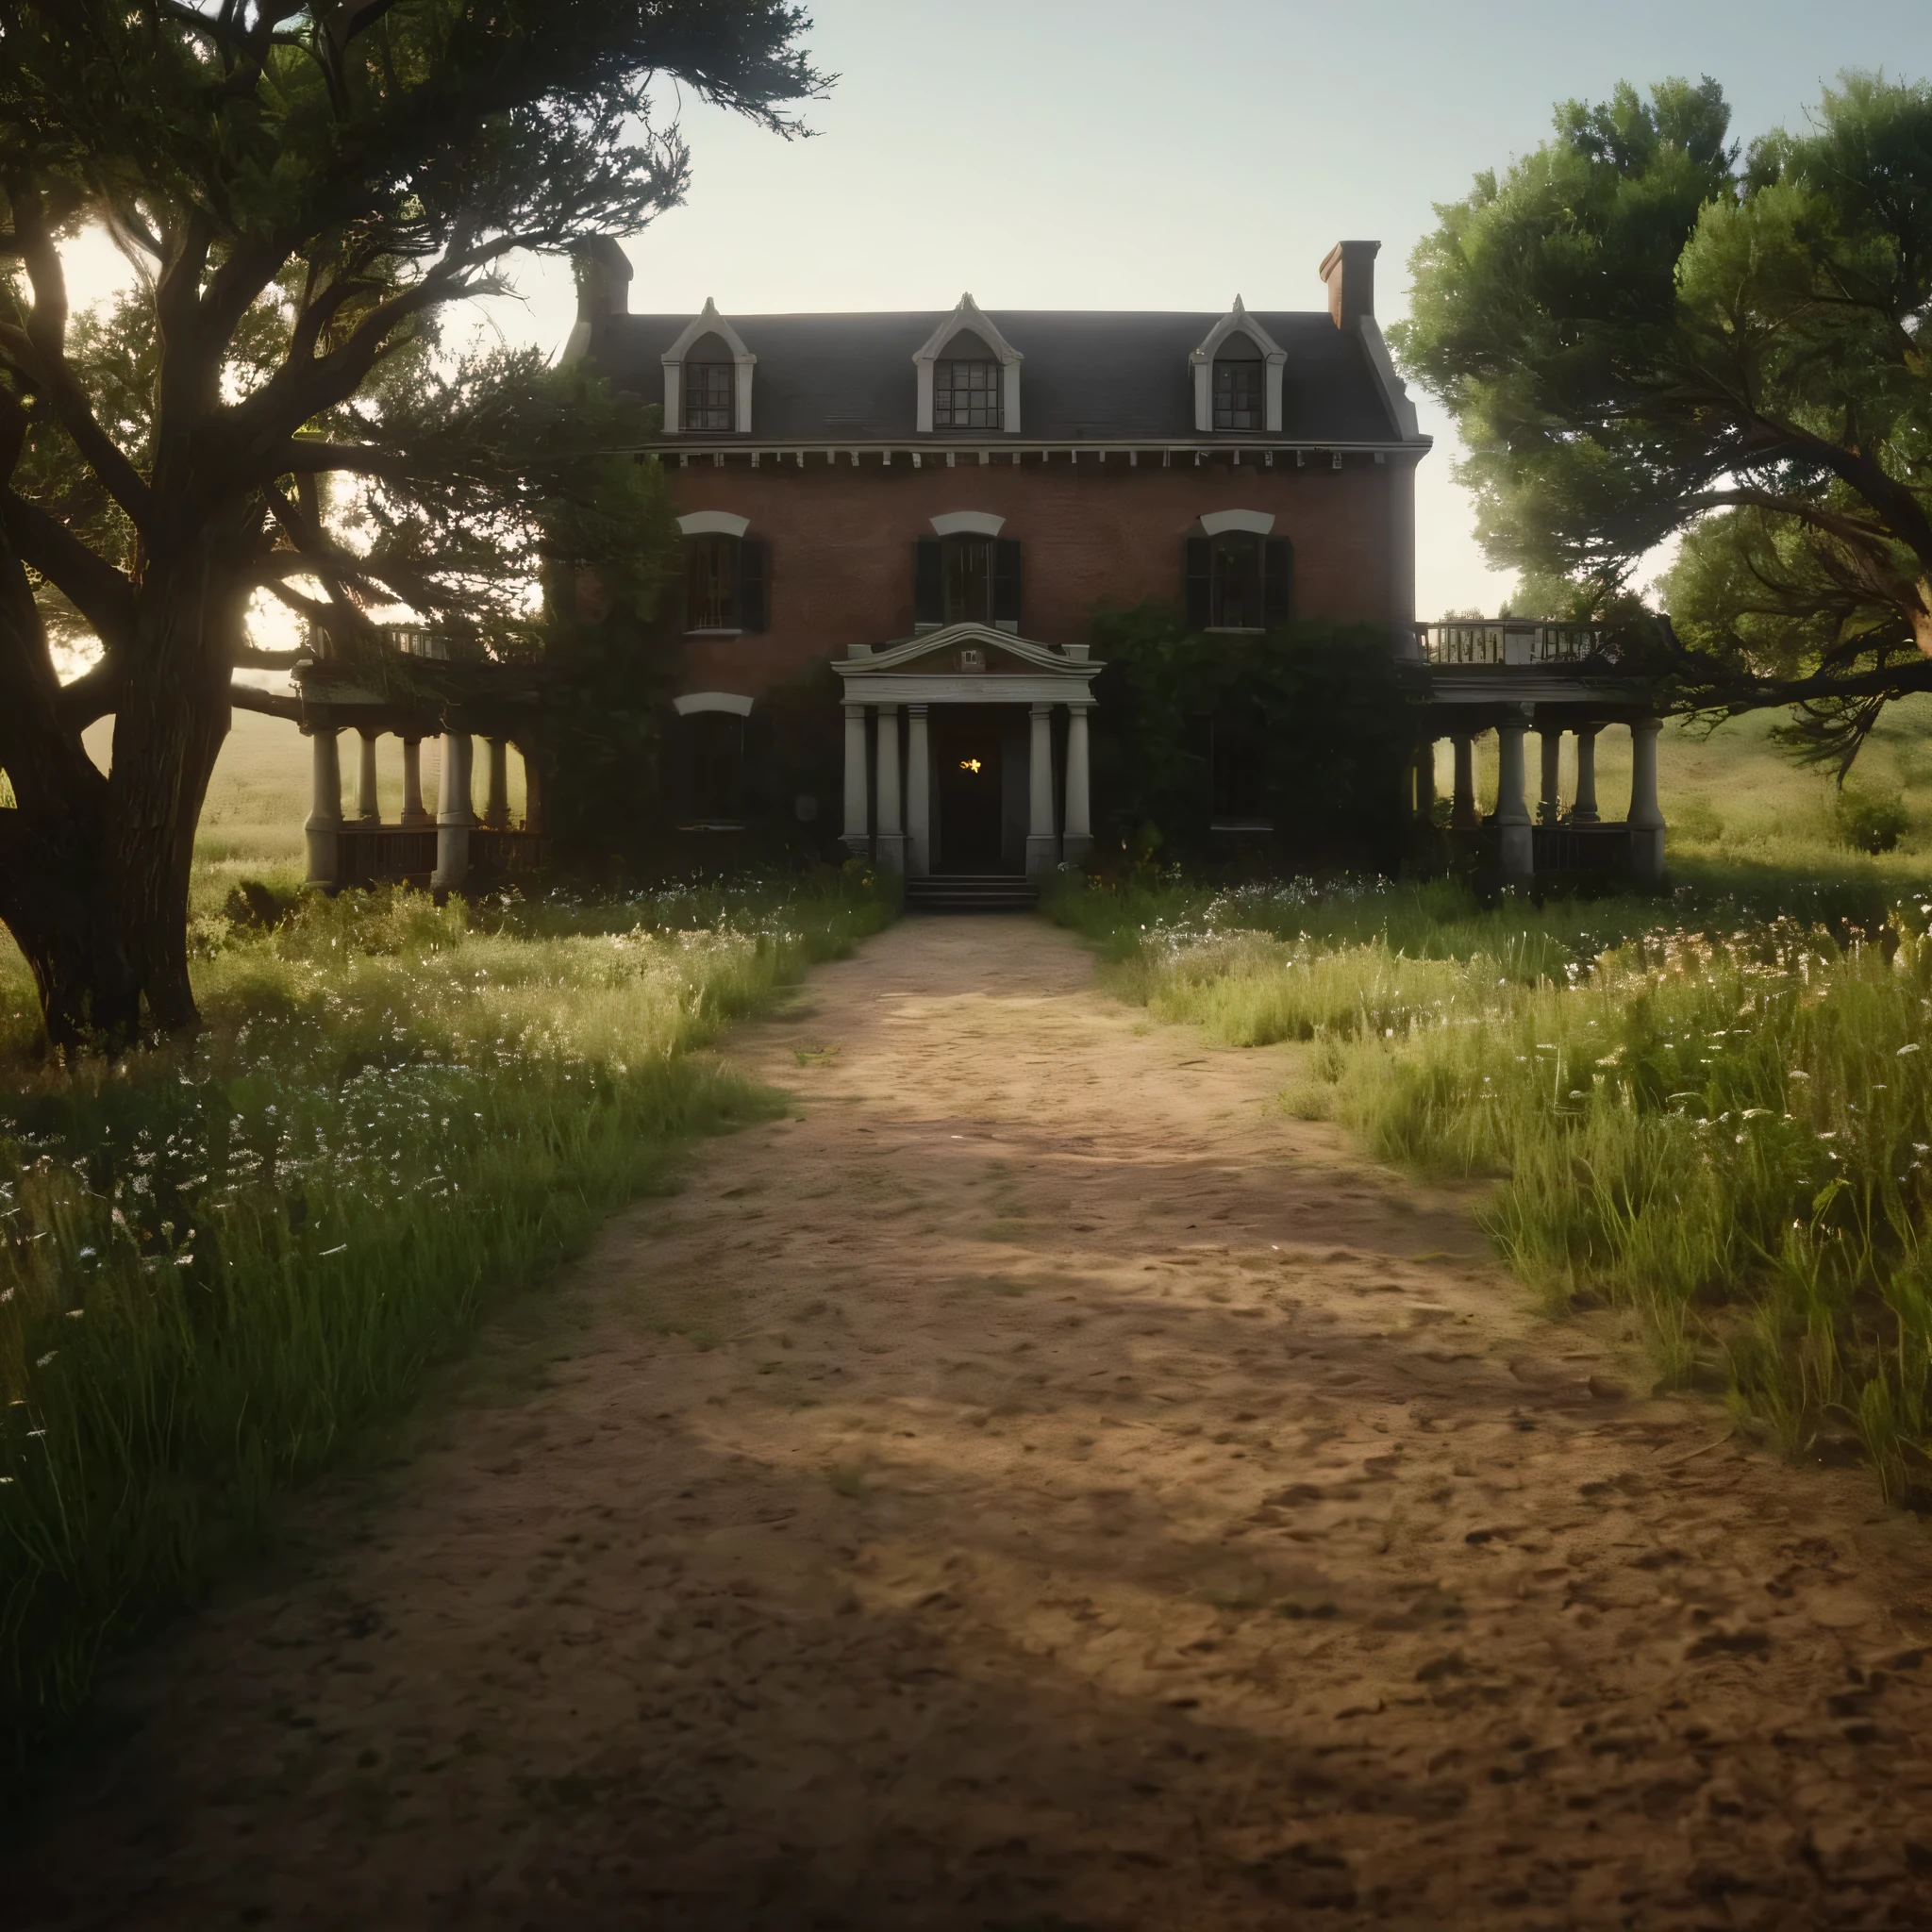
[[966, 394], [708, 395], [1240, 386], [1237, 580], [724, 578], [967, 578]]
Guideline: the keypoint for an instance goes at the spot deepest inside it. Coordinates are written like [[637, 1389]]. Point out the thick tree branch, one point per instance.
[[251, 697], [95, 588]]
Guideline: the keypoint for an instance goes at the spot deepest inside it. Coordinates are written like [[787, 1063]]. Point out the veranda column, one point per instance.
[[858, 831], [917, 793], [413, 813], [1041, 854], [1584, 811], [1551, 807], [1517, 846], [1463, 812], [1079, 822], [368, 812], [324, 825], [454, 817], [1425, 783], [496, 799], [1646, 815], [891, 826]]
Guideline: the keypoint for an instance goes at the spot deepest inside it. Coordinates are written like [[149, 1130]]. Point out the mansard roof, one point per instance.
[[1101, 375]]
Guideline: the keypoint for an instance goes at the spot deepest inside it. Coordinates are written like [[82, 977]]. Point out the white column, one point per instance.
[[1463, 812], [918, 793], [891, 826], [1646, 815], [368, 812], [1584, 811], [1078, 823], [496, 799], [1550, 809], [413, 813], [1043, 853], [454, 817], [857, 829], [1517, 846], [324, 824]]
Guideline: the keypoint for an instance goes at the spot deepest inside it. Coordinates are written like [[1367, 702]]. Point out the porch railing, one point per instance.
[[1512, 640], [372, 854]]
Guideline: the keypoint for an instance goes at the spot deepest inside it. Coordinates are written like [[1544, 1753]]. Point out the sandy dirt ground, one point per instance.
[[1035, 1485]]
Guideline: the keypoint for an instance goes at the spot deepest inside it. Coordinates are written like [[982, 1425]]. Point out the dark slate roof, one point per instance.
[[1099, 375]]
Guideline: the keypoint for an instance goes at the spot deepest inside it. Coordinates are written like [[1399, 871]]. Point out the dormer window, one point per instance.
[[1240, 385], [1237, 374], [967, 376], [707, 378], [709, 391], [966, 387]]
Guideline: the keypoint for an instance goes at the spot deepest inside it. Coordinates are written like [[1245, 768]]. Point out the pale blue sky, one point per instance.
[[1155, 154], [1169, 154]]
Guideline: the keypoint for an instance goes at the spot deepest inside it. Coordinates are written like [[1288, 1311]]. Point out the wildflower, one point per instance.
[[1912, 1046], [42, 1361]]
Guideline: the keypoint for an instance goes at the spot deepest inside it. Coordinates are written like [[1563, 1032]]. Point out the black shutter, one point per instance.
[[1006, 580], [928, 588], [754, 574], [1200, 583], [1277, 580]]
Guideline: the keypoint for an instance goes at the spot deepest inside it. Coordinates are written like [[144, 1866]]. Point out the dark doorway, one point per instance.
[[968, 751]]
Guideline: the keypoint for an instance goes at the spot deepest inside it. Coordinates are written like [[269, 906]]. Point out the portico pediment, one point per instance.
[[969, 663]]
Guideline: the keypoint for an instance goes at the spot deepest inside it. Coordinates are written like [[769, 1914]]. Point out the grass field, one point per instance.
[[223, 1258], [1706, 1105]]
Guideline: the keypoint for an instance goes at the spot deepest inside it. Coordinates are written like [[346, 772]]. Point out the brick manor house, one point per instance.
[[934, 503]]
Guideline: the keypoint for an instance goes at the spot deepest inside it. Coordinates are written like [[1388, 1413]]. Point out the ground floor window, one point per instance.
[[1238, 580], [711, 747]]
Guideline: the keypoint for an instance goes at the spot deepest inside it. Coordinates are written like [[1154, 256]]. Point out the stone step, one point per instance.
[[971, 893]]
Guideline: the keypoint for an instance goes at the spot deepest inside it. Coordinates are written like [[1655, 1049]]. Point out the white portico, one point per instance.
[[953, 743]]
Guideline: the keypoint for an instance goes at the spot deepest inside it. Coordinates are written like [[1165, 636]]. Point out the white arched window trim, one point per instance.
[[708, 323], [1259, 521], [968, 523], [1202, 362], [711, 701], [969, 315], [713, 523]]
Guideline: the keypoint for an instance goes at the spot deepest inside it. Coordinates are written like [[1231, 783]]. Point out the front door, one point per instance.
[[970, 753]]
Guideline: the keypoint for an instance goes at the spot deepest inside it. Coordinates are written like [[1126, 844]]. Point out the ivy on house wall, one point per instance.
[[1303, 735]]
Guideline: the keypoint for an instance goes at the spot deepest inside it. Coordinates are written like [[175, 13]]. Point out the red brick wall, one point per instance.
[[841, 541]]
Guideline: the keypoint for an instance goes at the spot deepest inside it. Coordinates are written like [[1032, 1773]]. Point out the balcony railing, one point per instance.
[[1514, 642]]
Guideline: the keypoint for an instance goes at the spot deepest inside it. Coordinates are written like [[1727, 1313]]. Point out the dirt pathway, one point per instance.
[[1071, 1494]]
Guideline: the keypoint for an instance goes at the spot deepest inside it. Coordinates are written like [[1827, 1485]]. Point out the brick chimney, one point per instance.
[[1349, 269], [603, 289]]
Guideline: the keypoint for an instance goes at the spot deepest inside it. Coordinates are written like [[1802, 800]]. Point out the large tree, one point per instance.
[[1643, 333], [303, 188]]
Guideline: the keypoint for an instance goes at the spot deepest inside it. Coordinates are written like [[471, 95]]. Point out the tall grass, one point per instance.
[[1721, 1123], [220, 1259]]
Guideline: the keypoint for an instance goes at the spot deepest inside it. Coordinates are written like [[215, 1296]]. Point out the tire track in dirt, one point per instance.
[[1042, 1487]]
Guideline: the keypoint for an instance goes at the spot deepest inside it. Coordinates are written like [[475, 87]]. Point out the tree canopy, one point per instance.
[[303, 190], [1644, 331]]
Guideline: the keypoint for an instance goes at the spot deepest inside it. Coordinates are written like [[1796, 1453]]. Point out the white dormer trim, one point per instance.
[[1261, 522], [713, 523], [708, 321], [968, 523], [711, 701], [1202, 363], [969, 315]]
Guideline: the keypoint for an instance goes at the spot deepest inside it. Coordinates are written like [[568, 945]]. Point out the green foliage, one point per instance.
[[1642, 337], [1871, 823], [1324, 711], [1722, 1122], [227, 1259]]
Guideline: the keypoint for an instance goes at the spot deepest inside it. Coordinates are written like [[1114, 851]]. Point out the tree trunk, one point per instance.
[[94, 870]]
